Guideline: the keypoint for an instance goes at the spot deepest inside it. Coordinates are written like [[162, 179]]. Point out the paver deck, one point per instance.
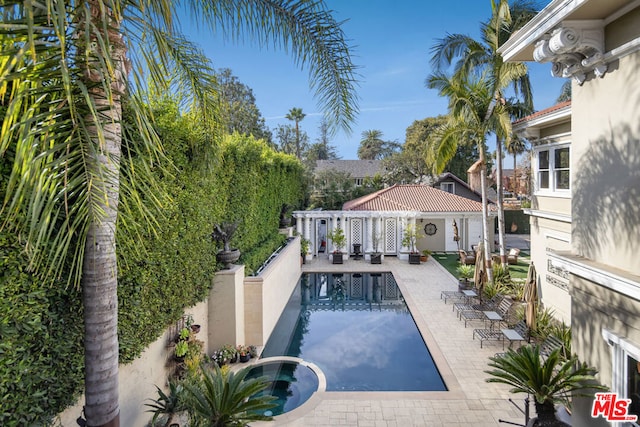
[[470, 399]]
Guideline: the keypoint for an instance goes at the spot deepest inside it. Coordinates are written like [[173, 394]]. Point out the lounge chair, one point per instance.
[[518, 332], [550, 344], [465, 258], [490, 304], [454, 295], [502, 310], [512, 258]]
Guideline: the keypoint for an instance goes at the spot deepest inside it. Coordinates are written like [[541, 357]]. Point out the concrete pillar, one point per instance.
[[299, 225], [226, 309]]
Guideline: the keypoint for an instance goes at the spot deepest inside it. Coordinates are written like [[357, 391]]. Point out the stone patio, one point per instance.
[[470, 399]]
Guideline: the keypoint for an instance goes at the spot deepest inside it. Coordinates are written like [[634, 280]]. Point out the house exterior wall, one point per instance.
[[604, 279], [607, 152]]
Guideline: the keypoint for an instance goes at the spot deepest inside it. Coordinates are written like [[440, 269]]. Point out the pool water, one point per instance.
[[291, 383], [358, 330]]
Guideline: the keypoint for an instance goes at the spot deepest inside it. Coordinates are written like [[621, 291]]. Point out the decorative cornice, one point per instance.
[[575, 48]]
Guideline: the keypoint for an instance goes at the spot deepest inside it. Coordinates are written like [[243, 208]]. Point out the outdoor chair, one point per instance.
[[465, 258], [512, 258], [550, 344], [502, 310], [490, 304], [518, 332], [454, 295]]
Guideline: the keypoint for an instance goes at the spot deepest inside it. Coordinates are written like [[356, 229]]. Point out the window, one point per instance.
[[358, 181], [553, 168], [625, 372], [448, 187]]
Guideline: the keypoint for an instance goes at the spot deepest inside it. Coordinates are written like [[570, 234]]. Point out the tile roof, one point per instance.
[[543, 112], [412, 197], [357, 168]]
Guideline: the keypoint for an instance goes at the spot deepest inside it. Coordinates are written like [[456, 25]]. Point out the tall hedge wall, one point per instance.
[[170, 268]]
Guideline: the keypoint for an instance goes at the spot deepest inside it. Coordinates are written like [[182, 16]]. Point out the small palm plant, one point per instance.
[[223, 399], [550, 381], [167, 404]]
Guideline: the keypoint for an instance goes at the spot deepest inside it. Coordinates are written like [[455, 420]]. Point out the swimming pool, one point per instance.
[[358, 330]]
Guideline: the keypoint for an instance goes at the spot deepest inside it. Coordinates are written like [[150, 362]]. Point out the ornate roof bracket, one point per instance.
[[575, 49]]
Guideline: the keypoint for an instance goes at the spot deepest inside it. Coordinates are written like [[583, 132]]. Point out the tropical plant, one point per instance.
[[410, 237], [373, 147], [305, 244], [223, 233], [549, 382], [181, 348], [296, 115], [68, 69], [338, 238], [475, 58], [465, 271], [515, 146], [227, 399], [167, 404]]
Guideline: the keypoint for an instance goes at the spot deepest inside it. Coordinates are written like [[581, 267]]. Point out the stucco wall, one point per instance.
[[235, 307], [267, 294], [552, 235], [138, 380], [605, 162]]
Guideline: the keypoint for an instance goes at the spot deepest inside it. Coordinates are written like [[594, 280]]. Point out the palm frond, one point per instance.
[[305, 29]]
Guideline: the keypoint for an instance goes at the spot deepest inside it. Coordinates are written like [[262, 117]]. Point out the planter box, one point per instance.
[[376, 258], [414, 258], [337, 258]]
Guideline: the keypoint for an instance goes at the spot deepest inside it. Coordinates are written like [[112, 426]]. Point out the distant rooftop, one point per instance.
[[412, 197], [357, 168]]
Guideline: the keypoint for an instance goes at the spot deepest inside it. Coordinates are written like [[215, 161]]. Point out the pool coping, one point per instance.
[[454, 390]]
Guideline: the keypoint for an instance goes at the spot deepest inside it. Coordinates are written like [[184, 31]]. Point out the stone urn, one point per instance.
[[228, 258]]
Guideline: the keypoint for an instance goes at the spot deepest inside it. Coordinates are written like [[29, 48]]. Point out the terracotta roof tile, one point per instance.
[[412, 197], [543, 112]]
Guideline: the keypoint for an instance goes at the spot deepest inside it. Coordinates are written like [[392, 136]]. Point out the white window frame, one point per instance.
[[621, 348], [448, 184], [358, 182], [552, 190]]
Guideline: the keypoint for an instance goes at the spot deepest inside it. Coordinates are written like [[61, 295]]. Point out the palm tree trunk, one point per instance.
[[100, 271], [500, 201], [297, 140], [485, 212]]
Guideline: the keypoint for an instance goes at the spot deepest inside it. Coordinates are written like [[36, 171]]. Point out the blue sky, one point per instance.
[[392, 46]]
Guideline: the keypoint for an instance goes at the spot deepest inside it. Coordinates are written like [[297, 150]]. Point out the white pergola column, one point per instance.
[[347, 236], [299, 226], [368, 235], [382, 238]]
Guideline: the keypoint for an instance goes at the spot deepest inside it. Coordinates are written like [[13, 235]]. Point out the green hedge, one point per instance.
[[170, 267]]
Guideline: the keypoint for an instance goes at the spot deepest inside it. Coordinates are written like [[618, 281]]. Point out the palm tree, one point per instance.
[[227, 399], [296, 115], [472, 56], [565, 92], [515, 146], [68, 67], [373, 147], [466, 121], [550, 381]]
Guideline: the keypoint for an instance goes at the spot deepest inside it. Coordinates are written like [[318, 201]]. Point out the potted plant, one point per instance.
[[409, 239], [376, 256], [425, 255], [338, 238], [465, 272], [243, 353], [305, 244], [253, 351], [189, 322], [223, 233], [548, 381], [181, 350]]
